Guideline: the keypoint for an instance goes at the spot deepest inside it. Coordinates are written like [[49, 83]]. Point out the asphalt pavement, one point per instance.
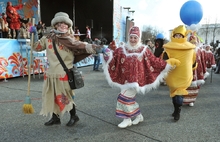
[[96, 104]]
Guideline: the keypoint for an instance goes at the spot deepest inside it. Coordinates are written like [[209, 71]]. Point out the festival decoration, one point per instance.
[[191, 12]]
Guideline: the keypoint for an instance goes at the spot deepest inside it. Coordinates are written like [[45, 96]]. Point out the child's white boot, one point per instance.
[[138, 119], [125, 123]]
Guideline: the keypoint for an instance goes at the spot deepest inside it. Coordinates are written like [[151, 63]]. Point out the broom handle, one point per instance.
[[31, 54]]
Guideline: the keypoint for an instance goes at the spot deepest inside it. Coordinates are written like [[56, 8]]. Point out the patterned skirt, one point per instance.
[[192, 95], [127, 107], [57, 97]]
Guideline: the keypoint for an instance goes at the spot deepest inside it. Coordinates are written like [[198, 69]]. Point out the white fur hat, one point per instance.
[[61, 17]]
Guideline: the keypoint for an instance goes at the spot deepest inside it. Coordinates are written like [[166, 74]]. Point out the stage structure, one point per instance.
[[15, 58], [107, 19]]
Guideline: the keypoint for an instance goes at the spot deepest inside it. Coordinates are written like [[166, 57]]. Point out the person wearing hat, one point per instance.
[[159, 41], [198, 73], [133, 68], [57, 96], [179, 79]]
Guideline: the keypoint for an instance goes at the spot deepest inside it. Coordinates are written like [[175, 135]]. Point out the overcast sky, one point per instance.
[[165, 14]]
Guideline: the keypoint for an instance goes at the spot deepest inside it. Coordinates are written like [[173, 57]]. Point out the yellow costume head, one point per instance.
[[180, 30]]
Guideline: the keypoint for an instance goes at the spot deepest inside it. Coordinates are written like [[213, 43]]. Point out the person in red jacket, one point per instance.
[[14, 18], [134, 69]]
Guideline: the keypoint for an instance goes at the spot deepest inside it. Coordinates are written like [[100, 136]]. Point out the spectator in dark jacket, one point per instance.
[[159, 45]]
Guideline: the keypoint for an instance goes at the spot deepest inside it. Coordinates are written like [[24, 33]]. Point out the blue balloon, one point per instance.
[[191, 12]]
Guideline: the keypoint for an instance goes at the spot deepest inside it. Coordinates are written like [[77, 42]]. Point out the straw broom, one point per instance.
[[27, 107]]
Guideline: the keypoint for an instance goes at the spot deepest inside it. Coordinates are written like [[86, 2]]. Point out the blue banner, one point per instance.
[[15, 59]]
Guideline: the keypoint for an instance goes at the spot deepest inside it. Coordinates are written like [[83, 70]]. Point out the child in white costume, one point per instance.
[[134, 69]]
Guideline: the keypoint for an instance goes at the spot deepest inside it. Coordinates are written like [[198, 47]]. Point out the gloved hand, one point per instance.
[[33, 29], [106, 54], [173, 62]]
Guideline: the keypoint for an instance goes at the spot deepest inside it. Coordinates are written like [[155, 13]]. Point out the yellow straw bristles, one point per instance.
[[28, 109]]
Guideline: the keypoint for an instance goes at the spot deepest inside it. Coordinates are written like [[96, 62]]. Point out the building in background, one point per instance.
[[209, 33]]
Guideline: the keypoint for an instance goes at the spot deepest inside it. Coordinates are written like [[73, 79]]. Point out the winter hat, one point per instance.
[[160, 36], [134, 31], [61, 17]]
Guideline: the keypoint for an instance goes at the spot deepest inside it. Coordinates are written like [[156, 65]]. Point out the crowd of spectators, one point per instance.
[[14, 26]]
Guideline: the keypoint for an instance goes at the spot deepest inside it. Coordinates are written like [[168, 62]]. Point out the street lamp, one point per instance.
[[128, 21], [126, 26], [132, 11], [127, 8]]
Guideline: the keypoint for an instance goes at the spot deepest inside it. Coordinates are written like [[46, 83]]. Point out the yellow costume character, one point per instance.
[[179, 79]]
